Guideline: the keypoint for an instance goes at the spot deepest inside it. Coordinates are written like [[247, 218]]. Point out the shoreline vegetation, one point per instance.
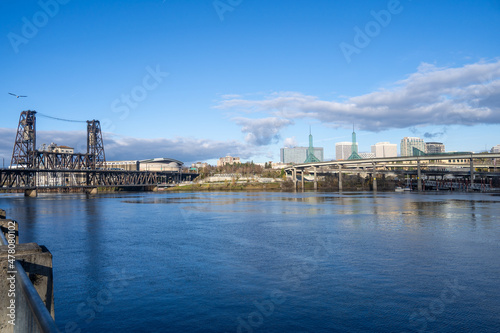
[[249, 177], [329, 183]]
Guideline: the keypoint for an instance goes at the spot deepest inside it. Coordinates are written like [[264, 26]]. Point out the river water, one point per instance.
[[269, 262]]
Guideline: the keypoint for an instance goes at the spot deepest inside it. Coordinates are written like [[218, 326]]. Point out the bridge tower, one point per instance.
[[95, 145], [24, 152]]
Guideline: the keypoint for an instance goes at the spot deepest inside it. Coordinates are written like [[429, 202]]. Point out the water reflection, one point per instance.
[[203, 259], [94, 242]]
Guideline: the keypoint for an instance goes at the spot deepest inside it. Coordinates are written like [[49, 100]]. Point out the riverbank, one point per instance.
[[351, 183], [227, 187]]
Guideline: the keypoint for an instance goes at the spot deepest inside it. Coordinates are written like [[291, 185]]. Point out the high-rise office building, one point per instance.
[[343, 150], [298, 155], [385, 149], [411, 146], [434, 148]]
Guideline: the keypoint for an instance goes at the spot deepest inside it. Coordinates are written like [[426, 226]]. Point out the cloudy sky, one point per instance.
[[197, 80]]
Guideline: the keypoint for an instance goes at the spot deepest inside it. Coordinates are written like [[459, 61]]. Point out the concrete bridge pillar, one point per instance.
[[374, 182], [92, 191], [302, 179], [315, 179], [340, 178], [471, 170], [294, 178], [419, 177], [30, 193]]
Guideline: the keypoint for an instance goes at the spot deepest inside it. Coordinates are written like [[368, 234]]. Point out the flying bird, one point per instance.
[[17, 96]]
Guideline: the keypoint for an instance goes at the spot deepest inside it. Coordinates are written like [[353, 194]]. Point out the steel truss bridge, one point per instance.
[[470, 166], [33, 169], [29, 179]]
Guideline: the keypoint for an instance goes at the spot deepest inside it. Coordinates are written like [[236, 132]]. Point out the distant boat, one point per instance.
[[400, 189]]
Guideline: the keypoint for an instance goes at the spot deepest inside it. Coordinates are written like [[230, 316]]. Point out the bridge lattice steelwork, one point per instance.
[[31, 168]]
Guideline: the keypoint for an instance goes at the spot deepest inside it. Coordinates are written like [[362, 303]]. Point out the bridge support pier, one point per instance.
[[419, 177], [471, 171], [374, 182], [294, 178], [302, 179], [30, 193], [315, 180], [92, 191], [340, 178]]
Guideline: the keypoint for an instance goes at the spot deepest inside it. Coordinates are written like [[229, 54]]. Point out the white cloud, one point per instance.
[[230, 96], [183, 149], [264, 131], [127, 148], [465, 95], [290, 142]]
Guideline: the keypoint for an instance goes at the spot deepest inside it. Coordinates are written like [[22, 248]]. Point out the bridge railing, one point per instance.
[[29, 313]]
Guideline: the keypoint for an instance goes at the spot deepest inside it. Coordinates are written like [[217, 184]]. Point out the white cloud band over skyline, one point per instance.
[[129, 148], [468, 95]]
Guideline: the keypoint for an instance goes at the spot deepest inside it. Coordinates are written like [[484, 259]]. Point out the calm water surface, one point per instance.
[[269, 262]]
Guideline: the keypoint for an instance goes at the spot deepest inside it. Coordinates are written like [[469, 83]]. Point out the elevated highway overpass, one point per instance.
[[438, 164]]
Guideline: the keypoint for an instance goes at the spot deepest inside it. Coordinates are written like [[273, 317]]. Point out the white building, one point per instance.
[[279, 165], [122, 165], [199, 165], [54, 148], [228, 160], [495, 149], [343, 150], [64, 150], [154, 164], [408, 143], [366, 155], [160, 164], [434, 148], [385, 149]]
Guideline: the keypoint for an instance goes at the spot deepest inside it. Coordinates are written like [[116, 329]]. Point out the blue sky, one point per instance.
[[196, 80]]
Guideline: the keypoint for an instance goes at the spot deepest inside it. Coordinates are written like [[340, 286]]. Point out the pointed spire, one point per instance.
[[310, 140], [310, 151], [354, 147]]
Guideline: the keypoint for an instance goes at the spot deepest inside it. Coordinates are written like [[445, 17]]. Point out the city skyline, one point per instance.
[[195, 83]]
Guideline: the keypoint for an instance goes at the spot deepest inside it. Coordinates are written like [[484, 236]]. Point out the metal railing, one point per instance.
[[32, 314]]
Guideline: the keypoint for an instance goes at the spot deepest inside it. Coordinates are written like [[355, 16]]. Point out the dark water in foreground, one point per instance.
[[269, 262]]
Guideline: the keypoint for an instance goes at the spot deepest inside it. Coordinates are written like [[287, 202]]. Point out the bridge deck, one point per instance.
[[28, 179]]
